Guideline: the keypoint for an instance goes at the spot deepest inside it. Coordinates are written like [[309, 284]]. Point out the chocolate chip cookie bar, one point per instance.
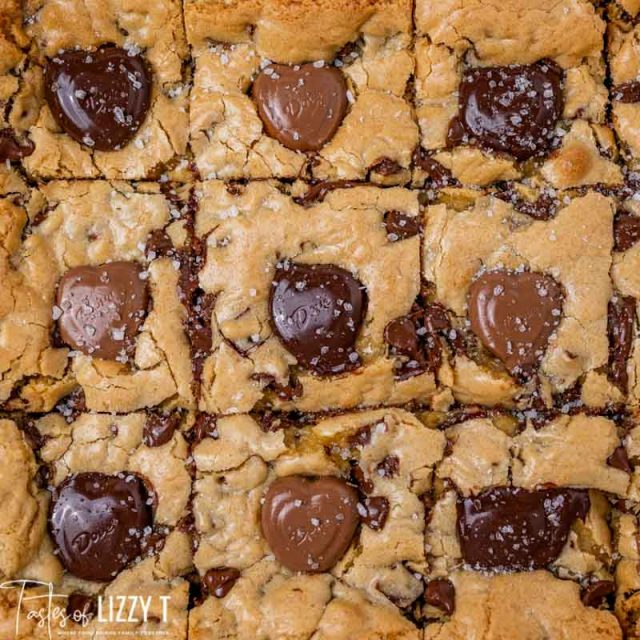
[[70, 100], [125, 482], [334, 512], [532, 308], [287, 89], [93, 273], [503, 93], [301, 294]]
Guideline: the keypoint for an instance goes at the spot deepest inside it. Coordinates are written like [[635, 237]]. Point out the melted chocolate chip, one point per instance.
[[99, 98], [511, 109], [205, 426], [389, 466], [629, 92], [11, 149], [621, 323], [317, 311], [219, 581], [595, 593], [414, 340], [362, 437], [514, 315], [441, 593], [318, 192], [400, 226], [620, 460], [102, 308], [385, 167], [360, 479], [301, 106], [97, 523], [159, 428], [511, 529], [626, 231], [81, 607], [374, 512], [544, 207], [309, 523], [438, 176]]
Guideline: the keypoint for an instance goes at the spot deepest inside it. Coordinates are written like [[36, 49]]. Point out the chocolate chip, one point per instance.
[[81, 607], [205, 426], [362, 437], [99, 98], [317, 311], [544, 207], [389, 466], [301, 106], [11, 149], [309, 523], [360, 479], [595, 593], [620, 460], [441, 593], [97, 523], [512, 529], [628, 92], [374, 512], [414, 340], [621, 323], [318, 192], [385, 167], [511, 109], [400, 226], [438, 176], [219, 581], [102, 308], [626, 231], [159, 428], [514, 315]]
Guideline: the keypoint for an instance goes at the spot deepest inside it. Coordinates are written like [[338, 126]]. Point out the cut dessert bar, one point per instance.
[[101, 516], [69, 100], [318, 90], [299, 293], [512, 90], [342, 501], [91, 274], [528, 292]]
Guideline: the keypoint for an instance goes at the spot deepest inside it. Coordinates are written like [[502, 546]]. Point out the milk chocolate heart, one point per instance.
[[100, 98], [309, 522], [98, 522], [514, 314], [317, 310], [301, 106], [102, 308]]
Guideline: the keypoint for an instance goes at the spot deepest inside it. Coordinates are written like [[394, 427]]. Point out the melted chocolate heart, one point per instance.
[[97, 523], [317, 311], [511, 109], [102, 308], [301, 106], [514, 314], [511, 529], [100, 98], [309, 523]]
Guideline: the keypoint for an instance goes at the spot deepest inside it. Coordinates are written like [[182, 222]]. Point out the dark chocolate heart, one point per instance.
[[511, 109], [301, 106], [102, 308], [511, 529], [309, 523], [317, 311], [100, 98], [98, 522], [514, 314]]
